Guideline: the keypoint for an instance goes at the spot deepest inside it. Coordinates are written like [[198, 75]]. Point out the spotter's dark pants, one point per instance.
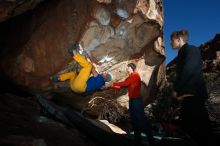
[[195, 120], [139, 121]]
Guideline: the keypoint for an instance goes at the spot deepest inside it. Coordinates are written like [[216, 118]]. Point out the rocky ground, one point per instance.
[[23, 124]]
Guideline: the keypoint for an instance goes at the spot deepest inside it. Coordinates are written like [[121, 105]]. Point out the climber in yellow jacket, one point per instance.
[[82, 82]]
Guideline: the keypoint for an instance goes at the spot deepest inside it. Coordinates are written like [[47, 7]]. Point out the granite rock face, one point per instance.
[[211, 67], [211, 54], [114, 33]]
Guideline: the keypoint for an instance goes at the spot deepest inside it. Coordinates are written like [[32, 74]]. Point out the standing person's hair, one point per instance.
[[180, 33], [132, 65]]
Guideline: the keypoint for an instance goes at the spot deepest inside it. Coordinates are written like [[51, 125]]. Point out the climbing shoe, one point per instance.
[[55, 78], [84, 53], [73, 49], [77, 68]]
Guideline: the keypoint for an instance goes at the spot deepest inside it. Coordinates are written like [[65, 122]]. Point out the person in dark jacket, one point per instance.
[[139, 121], [190, 89]]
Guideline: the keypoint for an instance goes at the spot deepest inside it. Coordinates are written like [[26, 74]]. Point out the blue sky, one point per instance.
[[200, 17]]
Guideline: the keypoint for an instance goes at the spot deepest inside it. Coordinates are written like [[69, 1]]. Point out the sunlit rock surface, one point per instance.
[[211, 54], [114, 33], [211, 67]]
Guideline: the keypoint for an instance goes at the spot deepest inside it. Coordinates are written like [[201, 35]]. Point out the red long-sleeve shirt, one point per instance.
[[133, 82]]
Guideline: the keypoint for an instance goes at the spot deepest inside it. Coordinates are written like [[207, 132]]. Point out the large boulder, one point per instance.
[[114, 33]]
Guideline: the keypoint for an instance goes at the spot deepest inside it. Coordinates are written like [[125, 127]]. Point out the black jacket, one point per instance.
[[189, 78]]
